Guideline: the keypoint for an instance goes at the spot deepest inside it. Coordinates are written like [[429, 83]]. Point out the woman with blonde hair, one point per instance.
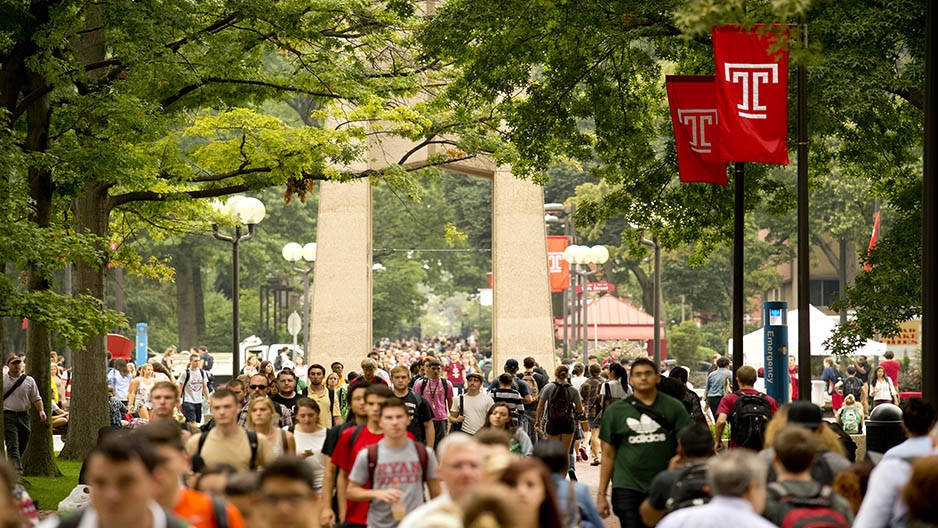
[[831, 457], [138, 395], [850, 415], [262, 415], [828, 438], [251, 366], [58, 386]]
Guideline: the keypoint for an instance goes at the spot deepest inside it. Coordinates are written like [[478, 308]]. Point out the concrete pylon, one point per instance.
[[522, 325], [340, 326], [521, 313]]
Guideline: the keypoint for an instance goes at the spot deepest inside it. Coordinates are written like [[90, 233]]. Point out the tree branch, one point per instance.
[[217, 26], [250, 82]]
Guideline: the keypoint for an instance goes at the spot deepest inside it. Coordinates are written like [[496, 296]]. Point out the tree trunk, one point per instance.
[[647, 284], [39, 456], [186, 300], [89, 405]]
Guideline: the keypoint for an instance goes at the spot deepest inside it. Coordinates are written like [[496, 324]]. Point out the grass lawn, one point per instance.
[[47, 492]]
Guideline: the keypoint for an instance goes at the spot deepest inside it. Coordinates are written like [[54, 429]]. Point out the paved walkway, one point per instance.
[[589, 475]]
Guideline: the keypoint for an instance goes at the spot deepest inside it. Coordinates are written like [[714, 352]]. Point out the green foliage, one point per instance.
[[683, 343], [715, 336], [580, 83]]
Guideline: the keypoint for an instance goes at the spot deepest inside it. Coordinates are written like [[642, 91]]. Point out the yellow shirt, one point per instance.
[[325, 417], [234, 450]]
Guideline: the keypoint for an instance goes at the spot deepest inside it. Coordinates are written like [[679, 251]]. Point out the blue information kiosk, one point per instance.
[[776, 350], [141, 343]]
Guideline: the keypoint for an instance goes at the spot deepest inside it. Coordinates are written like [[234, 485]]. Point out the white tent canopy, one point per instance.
[[822, 326]]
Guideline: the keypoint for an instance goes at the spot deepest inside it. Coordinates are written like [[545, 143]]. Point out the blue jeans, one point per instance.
[[625, 503]]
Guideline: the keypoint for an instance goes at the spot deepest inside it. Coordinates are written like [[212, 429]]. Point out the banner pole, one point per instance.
[[739, 236], [804, 247]]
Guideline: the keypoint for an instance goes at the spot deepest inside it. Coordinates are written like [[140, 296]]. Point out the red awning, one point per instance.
[[610, 318]]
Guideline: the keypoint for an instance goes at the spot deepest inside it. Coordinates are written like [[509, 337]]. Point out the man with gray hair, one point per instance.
[[737, 481], [460, 469]]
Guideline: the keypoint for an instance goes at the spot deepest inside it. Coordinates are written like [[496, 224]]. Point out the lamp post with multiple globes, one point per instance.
[[247, 211]]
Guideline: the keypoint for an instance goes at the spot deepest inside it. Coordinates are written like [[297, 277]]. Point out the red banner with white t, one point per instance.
[[692, 99], [751, 70]]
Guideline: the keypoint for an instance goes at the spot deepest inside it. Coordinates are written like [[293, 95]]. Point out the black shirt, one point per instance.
[[420, 412], [289, 403]]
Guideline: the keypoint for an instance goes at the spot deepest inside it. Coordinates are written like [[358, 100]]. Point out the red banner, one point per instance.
[[752, 93], [556, 265], [873, 240], [694, 118]]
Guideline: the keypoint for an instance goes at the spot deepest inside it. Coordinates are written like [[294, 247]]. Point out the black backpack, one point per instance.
[[690, 488], [560, 405], [853, 385], [799, 512], [748, 419]]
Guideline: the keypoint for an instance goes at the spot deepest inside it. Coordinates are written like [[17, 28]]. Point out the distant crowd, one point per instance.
[[431, 433]]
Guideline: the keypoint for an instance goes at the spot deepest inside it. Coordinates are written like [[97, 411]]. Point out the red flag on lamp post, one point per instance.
[[751, 70], [692, 99], [873, 238]]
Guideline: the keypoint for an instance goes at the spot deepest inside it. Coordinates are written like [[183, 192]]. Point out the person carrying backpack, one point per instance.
[[561, 404], [795, 499], [392, 473], [747, 411], [853, 385], [850, 416], [687, 484]]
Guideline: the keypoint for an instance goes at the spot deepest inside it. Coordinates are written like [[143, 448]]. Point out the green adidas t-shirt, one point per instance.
[[643, 447]]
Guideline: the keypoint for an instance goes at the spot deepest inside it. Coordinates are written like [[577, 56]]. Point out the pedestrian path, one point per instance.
[[589, 475]]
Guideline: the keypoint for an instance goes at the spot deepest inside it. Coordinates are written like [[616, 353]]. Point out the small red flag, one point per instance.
[[694, 118], [873, 239], [751, 69]]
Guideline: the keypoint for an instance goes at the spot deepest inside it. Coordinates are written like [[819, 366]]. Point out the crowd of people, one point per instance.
[[432, 434]]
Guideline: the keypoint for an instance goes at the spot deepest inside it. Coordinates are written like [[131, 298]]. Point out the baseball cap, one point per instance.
[[511, 364], [14, 359], [805, 414], [435, 363]]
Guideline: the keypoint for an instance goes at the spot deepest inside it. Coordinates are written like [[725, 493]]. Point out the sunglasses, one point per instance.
[[258, 387]]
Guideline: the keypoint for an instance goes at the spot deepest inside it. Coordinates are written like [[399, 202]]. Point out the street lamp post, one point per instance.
[[551, 211], [656, 286], [580, 258], [293, 252], [247, 211]]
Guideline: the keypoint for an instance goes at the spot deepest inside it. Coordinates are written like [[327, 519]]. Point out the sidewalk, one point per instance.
[[589, 475]]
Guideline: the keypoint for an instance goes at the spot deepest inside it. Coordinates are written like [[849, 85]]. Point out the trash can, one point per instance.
[[884, 429]]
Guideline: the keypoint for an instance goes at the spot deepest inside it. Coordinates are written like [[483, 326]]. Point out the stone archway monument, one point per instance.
[[341, 322]]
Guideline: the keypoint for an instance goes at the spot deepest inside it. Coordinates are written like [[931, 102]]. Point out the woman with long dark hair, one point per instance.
[[499, 417], [882, 389], [535, 499]]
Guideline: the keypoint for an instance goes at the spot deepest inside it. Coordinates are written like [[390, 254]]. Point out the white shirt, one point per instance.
[[475, 409], [718, 513], [420, 515], [23, 397], [89, 519]]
